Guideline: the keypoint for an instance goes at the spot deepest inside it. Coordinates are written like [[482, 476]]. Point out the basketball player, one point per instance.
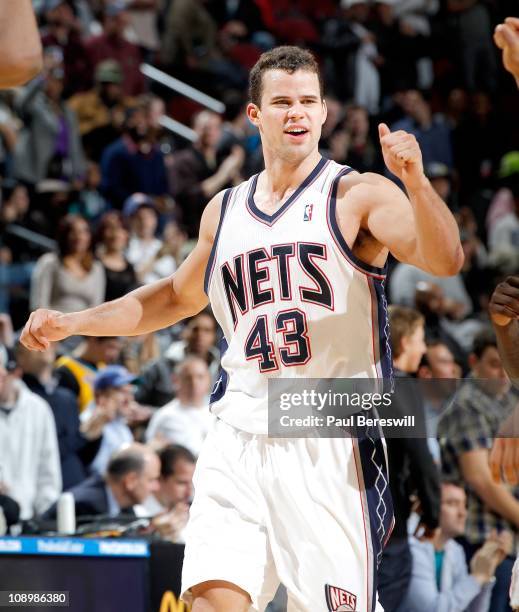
[[21, 56], [293, 262]]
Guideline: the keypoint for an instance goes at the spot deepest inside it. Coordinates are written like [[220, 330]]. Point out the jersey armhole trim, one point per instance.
[[358, 264], [210, 262]]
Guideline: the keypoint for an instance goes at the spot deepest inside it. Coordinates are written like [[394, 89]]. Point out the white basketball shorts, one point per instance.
[[312, 513]]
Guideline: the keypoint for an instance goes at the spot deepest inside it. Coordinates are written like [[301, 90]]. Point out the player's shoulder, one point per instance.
[[364, 190]]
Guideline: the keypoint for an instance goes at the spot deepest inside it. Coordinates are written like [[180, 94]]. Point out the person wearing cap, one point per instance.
[[30, 470], [101, 110], [112, 44], [109, 413]]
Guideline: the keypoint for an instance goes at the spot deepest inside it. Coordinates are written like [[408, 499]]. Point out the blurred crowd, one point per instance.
[[98, 197]]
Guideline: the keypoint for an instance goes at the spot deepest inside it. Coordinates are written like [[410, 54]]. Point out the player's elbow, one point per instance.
[[451, 264], [18, 70]]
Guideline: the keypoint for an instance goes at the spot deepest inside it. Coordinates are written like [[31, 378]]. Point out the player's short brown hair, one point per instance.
[[403, 322], [287, 58]]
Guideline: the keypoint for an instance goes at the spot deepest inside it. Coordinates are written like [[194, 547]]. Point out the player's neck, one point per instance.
[[281, 177]]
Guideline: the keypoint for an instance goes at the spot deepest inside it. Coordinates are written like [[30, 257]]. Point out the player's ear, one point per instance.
[[253, 113], [325, 112]]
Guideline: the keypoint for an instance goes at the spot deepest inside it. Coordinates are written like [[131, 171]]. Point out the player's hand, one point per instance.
[[402, 155], [43, 327], [506, 37], [504, 303]]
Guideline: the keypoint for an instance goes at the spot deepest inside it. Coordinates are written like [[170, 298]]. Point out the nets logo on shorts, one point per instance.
[[340, 600]]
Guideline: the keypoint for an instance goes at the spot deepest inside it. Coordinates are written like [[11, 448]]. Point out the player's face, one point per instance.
[[291, 114]]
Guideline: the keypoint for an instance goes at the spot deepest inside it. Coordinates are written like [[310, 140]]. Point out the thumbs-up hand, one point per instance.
[[402, 155]]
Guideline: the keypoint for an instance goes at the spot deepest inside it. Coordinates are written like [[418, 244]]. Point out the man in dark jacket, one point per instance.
[[132, 475]]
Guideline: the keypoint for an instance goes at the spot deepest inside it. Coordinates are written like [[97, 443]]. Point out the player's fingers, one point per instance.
[[499, 39], [513, 21], [508, 35], [406, 155], [495, 459], [27, 338], [36, 330], [383, 130]]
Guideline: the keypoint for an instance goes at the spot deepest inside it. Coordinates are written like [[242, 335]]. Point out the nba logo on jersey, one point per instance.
[[308, 212], [340, 600]]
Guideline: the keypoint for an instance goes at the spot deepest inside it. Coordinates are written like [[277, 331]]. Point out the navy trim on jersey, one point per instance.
[[270, 219], [337, 234], [386, 359], [210, 263], [220, 386], [377, 494]]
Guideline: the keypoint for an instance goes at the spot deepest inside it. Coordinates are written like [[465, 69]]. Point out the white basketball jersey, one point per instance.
[[291, 298]]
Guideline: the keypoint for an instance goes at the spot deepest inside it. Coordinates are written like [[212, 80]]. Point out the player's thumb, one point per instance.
[[383, 130]]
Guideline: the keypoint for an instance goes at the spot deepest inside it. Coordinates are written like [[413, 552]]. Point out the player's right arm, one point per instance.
[[141, 311]]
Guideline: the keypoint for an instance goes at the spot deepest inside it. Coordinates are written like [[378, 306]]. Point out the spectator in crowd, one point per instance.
[[77, 371], [432, 133], [134, 163], [101, 110], [440, 581], [363, 154], [503, 239], [170, 503], [399, 48], [62, 37], [197, 173], [410, 462], [74, 449], [112, 409], [49, 145], [21, 47], [70, 279], [131, 477], [189, 39], [473, 34], [199, 336], [186, 419], [431, 303], [29, 455], [438, 373], [112, 241], [90, 203], [111, 44], [144, 245], [466, 431]]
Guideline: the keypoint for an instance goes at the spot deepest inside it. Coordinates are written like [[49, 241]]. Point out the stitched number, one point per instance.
[[296, 349], [259, 346]]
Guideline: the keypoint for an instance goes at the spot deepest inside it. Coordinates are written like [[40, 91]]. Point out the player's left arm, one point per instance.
[[418, 229]]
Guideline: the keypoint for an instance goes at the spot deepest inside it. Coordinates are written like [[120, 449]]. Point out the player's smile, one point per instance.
[[296, 132]]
